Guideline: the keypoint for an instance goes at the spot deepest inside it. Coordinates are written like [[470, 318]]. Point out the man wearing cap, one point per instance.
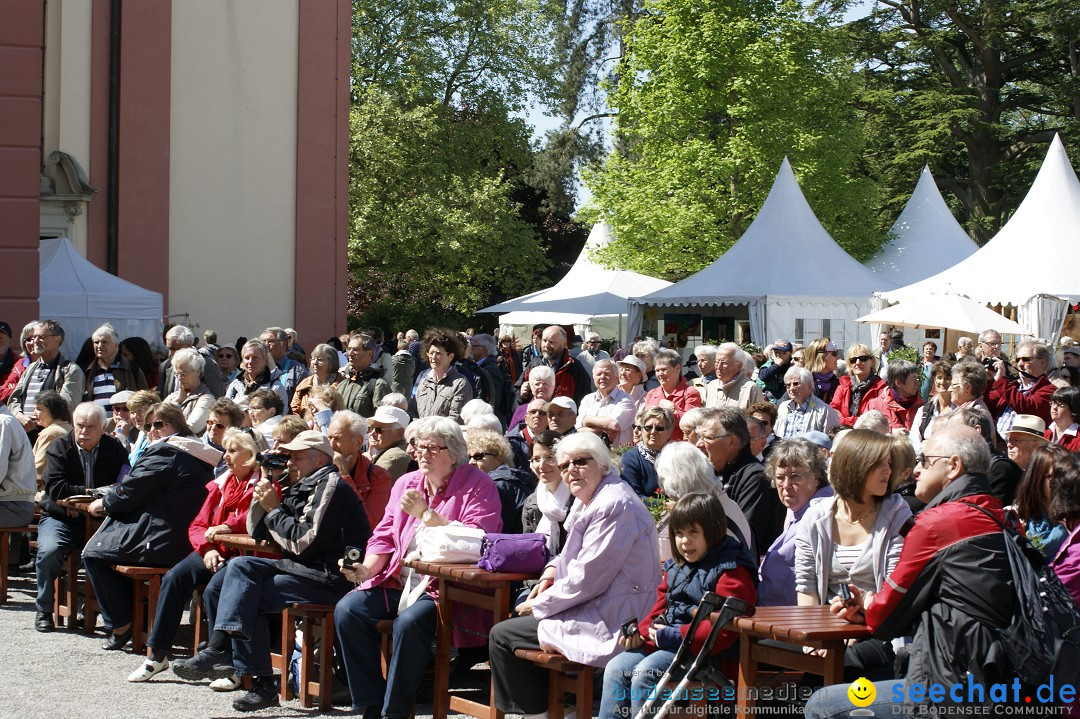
[[771, 374], [1025, 435], [562, 415], [316, 518], [591, 353], [109, 372], [673, 388], [8, 357], [124, 430], [386, 441], [371, 483], [363, 387], [732, 388], [609, 410]]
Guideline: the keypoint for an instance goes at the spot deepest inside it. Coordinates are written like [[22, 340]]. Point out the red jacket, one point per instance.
[[897, 415], [1035, 401], [684, 397], [571, 379], [1070, 442], [841, 400], [214, 512], [372, 485]]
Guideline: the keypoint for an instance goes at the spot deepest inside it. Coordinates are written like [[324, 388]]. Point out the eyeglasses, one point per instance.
[[159, 424], [833, 353], [860, 358], [652, 428], [991, 344], [1026, 359], [797, 358], [792, 479], [576, 461], [34, 338], [479, 456], [542, 460], [211, 426], [432, 449], [254, 408], [922, 459], [377, 430], [536, 411], [708, 438]]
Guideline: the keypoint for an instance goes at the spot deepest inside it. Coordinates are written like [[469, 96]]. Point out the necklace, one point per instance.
[[857, 520]]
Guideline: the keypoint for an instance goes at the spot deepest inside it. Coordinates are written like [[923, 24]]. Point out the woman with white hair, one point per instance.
[[542, 385], [683, 469], [445, 489], [194, 397], [607, 571]]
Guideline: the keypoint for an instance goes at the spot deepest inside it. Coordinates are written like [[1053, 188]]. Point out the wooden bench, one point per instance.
[[564, 676], [5, 539], [66, 595], [146, 583]]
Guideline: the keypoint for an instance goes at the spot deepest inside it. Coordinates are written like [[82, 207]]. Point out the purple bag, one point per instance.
[[525, 553]]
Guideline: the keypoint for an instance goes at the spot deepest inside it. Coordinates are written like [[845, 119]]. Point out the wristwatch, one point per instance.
[[427, 515]]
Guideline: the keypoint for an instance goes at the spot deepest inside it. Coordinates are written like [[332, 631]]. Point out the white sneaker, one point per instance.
[[148, 669], [227, 684]]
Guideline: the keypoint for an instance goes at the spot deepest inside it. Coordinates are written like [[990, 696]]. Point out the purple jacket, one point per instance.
[[608, 571], [777, 572], [1067, 563]]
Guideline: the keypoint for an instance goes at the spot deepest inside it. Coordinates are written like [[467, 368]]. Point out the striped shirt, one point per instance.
[[104, 384]]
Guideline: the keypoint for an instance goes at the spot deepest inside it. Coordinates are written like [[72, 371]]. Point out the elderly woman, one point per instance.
[[445, 489], [223, 512], [860, 385], [229, 362], [821, 357], [654, 426], [324, 372], [803, 411], [940, 403], [53, 414], [259, 371], [148, 515], [607, 572], [1033, 499], [797, 469], [899, 400], [193, 398], [1064, 413], [632, 375], [442, 390], [545, 510], [683, 469], [853, 538], [541, 386], [968, 385], [490, 452], [264, 410], [673, 389]]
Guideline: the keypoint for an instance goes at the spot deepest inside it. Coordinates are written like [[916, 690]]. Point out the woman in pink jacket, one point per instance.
[[607, 572], [445, 489]]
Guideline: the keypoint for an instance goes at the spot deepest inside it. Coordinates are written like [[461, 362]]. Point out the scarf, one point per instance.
[[554, 507], [232, 492], [858, 389], [262, 379], [824, 382], [649, 454], [905, 402]]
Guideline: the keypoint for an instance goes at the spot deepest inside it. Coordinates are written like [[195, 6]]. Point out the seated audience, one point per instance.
[[347, 432], [193, 397], [362, 387], [441, 390], [51, 370], [386, 441], [139, 405], [1025, 435], [541, 385], [632, 379], [732, 388], [673, 389], [228, 360], [53, 416], [258, 373], [654, 425], [609, 410], [177, 338], [490, 452], [324, 372], [109, 372], [562, 415], [545, 510]]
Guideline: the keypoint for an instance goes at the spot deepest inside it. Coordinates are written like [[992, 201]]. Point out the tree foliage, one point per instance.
[[711, 96]]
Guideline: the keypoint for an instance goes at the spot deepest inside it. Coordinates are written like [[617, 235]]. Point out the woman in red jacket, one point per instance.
[[860, 385], [223, 512], [1064, 415]]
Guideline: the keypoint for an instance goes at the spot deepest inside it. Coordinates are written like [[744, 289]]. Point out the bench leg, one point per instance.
[[138, 634]]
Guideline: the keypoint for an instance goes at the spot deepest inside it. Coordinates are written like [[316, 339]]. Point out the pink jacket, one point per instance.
[[607, 572]]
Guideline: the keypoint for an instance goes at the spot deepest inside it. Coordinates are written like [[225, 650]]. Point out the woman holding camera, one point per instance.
[[223, 512], [445, 489]]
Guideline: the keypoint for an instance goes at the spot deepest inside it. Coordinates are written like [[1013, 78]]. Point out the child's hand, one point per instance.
[[632, 643]]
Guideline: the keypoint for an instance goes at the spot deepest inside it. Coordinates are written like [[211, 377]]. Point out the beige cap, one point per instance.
[[310, 439]]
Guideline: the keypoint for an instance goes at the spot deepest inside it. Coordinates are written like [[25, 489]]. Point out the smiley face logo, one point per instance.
[[861, 692]]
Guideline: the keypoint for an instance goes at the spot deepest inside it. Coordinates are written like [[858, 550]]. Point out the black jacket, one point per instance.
[[64, 476], [149, 512], [126, 376], [515, 485], [745, 482]]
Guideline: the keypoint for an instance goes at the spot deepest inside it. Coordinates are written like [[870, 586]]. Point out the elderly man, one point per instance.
[[725, 439], [571, 379], [347, 432], [18, 478], [885, 346], [803, 411], [316, 518], [109, 372], [50, 371], [1029, 394], [177, 338], [85, 458], [989, 345], [965, 347], [363, 387], [386, 441], [673, 389], [277, 341], [562, 415], [609, 410], [771, 374], [1024, 437], [951, 589], [591, 353], [521, 436], [732, 388]]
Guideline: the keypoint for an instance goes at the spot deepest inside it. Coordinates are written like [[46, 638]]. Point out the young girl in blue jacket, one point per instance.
[[704, 559]]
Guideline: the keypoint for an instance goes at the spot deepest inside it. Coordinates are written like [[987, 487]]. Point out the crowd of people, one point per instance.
[[792, 477]]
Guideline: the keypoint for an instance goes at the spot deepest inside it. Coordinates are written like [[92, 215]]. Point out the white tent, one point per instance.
[[589, 296], [926, 238], [1029, 263], [945, 312], [82, 297], [788, 271]]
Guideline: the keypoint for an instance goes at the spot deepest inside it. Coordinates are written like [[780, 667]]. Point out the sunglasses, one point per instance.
[[210, 426], [377, 430], [577, 462], [797, 358], [159, 424], [860, 358], [479, 456], [652, 428]]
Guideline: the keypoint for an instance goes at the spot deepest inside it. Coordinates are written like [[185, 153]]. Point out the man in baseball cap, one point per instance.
[[562, 415]]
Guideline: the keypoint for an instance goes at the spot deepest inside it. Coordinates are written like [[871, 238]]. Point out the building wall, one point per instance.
[[232, 172]]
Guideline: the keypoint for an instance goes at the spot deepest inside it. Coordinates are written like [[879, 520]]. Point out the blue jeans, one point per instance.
[[629, 680], [114, 592], [55, 539], [176, 589], [358, 645], [833, 701], [251, 589]]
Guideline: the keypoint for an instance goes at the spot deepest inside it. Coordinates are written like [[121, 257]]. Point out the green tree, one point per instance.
[[711, 97]]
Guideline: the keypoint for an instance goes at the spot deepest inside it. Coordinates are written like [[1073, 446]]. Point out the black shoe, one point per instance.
[[207, 664], [262, 695], [43, 622], [117, 641]]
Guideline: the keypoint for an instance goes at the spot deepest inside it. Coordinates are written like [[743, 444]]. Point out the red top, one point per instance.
[[372, 485], [227, 503], [683, 397], [841, 400]]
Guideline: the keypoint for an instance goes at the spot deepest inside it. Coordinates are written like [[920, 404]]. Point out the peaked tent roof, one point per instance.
[[1045, 227], [785, 252], [587, 290], [926, 238]]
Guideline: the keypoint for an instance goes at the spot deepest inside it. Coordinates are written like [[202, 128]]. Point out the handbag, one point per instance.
[[452, 543], [525, 553]]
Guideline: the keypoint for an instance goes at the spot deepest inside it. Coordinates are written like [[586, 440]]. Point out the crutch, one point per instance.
[[732, 607]]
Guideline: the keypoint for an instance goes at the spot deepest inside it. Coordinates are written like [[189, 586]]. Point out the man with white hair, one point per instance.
[[732, 388], [803, 411], [1028, 394], [18, 478], [646, 350], [609, 410], [965, 347], [591, 353], [109, 372], [347, 432], [177, 338]]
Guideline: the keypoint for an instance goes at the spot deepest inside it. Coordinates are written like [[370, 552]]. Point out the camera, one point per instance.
[[271, 460], [629, 628], [988, 363], [352, 557]]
